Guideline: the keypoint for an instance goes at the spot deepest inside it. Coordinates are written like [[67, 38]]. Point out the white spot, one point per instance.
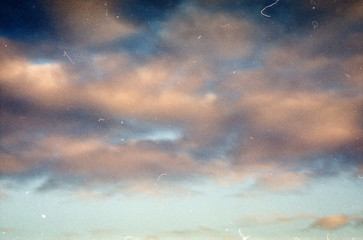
[[210, 97], [6, 45], [234, 71], [101, 119], [226, 26], [44, 216], [315, 24]]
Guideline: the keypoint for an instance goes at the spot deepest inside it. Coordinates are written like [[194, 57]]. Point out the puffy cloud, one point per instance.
[[332, 222], [236, 119], [309, 119], [95, 158]]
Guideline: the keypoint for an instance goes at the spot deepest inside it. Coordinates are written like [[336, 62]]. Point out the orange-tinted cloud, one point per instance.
[[236, 121], [288, 181], [332, 222]]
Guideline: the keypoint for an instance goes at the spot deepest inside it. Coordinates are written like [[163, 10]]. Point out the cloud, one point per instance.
[[243, 108], [90, 22], [288, 181], [201, 231], [332, 222], [354, 71], [6, 230], [275, 218], [93, 157], [218, 35]]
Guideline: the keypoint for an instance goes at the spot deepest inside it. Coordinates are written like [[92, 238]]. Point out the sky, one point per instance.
[[188, 119]]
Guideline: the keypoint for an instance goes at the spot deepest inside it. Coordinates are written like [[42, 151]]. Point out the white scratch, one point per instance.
[[66, 55], [347, 75], [268, 7], [327, 237], [243, 237], [200, 36], [226, 26], [163, 174], [101, 119], [315, 24]]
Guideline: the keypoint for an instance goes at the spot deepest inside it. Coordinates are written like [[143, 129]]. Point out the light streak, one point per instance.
[[163, 174], [268, 7], [243, 237], [66, 55]]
